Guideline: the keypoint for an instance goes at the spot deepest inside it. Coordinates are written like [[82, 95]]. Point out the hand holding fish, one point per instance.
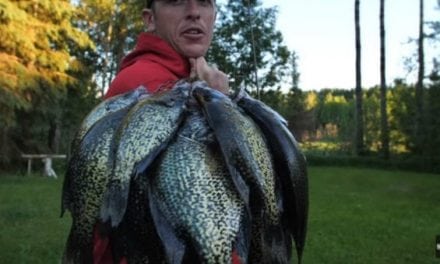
[[215, 78]]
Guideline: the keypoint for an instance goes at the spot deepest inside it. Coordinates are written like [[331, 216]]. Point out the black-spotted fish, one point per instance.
[[290, 164], [198, 212], [144, 133], [84, 185], [106, 107], [246, 152]]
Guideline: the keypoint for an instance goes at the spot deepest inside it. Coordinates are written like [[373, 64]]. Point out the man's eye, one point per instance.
[[176, 2], [182, 2], [205, 2]]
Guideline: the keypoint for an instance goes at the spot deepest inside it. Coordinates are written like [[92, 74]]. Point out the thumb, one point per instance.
[[193, 69], [203, 69]]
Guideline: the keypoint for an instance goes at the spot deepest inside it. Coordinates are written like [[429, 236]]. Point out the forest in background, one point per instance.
[[58, 57]]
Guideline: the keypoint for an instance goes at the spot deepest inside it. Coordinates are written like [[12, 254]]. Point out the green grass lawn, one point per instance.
[[356, 216], [31, 228], [372, 216]]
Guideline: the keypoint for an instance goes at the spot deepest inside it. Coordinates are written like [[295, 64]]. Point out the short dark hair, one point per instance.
[[149, 3]]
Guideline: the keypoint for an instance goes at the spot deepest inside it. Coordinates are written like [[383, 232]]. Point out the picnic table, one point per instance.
[[47, 160]]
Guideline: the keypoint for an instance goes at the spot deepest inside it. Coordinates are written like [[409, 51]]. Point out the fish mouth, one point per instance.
[[199, 95], [204, 94]]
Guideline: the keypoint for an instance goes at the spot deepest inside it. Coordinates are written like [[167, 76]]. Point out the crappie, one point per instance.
[[84, 184], [246, 151], [106, 107], [242, 144], [144, 133], [290, 164], [194, 193], [136, 237]]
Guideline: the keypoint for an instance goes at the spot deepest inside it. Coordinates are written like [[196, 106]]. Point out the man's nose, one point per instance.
[[193, 9]]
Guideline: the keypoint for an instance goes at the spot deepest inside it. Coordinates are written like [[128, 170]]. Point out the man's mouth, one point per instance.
[[193, 32]]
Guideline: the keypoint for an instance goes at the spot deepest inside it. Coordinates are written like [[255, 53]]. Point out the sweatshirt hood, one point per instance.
[[153, 48]]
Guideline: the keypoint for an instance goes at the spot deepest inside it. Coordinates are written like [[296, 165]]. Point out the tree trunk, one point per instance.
[[106, 62], [4, 151], [419, 124], [383, 87], [359, 134], [54, 136]]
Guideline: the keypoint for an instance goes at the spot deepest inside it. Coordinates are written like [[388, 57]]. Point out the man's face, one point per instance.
[[185, 24]]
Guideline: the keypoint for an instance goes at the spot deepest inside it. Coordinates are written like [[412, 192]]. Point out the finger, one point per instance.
[[203, 69], [201, 62], [193, 68]]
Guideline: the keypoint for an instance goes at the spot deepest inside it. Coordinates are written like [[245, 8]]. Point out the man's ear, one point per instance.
[[148, 17]]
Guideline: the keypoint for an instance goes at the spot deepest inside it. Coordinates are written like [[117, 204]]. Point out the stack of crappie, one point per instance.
[[186, 176]]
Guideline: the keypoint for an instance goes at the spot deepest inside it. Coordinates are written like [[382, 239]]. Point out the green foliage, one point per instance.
[[245, 27], [38, 61], [33, 50], [402, 113], [290, 105], [371, 107], [295, 71], [332, 156], [433, 121], [113, 25], [335, 107]]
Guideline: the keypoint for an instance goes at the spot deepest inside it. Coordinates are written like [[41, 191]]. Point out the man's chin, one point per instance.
[[193, 52]]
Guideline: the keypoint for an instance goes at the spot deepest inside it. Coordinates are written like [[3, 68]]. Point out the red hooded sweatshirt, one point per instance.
[[153, 64]]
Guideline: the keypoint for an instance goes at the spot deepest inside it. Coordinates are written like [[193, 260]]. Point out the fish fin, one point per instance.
[[115, 197], [242, 242], [278, 244], [174, 247], [218, 111], [114, 203], [142, 166], [65, 195], [142, 241], [240, 185]]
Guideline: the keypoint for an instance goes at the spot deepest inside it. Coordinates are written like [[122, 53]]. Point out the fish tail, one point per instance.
[[242, 243], [174, 248], [114, 204]]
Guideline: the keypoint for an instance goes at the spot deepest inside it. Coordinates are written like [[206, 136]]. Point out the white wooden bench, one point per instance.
[[47, 159]]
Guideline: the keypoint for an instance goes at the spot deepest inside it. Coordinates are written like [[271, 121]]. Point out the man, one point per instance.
[[179, 33]]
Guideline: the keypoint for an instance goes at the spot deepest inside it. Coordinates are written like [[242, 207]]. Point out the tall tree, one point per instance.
[[419, 122], [435, 27], [36, 65], [359, 133], [113, 25], [383, 86], [295, 70], [246, 44]]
